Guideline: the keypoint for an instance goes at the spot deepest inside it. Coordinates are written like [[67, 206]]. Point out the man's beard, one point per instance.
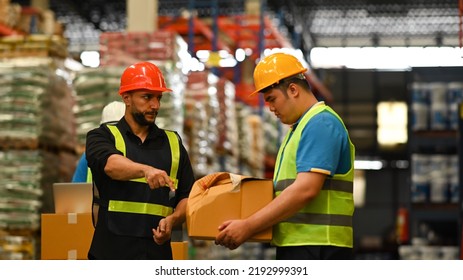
[[141, 120]]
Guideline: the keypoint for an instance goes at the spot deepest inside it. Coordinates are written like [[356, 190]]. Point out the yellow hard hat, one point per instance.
[[275, 67]]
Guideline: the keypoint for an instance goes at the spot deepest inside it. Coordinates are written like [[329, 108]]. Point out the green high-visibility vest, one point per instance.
[[327, 219], [141, 207], [89, 175]]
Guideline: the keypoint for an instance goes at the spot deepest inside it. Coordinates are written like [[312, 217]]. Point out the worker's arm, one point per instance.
[[121, 168]]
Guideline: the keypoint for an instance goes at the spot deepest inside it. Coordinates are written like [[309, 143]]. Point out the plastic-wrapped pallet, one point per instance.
[[36, 105], [257, 151], [195, 140], [124, 48], [17, 247], [20, 190], [227, 146], [57, 119], [94, 89], [244, 138], [200, 126], [251, 141], [37, 136], [21, 89], [171, 114]]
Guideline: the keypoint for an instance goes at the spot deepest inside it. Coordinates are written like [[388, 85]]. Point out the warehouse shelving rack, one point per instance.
[[443, 218]]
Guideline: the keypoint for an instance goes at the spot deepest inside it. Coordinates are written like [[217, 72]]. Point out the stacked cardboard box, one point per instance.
[[66, 236]]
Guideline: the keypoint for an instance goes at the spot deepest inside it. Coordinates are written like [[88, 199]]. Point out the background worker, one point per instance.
[[311, 213], [111, 113], [142, 174]]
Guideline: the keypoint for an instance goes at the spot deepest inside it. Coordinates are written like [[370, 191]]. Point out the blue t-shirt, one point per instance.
[[80, 174], [324, 146]]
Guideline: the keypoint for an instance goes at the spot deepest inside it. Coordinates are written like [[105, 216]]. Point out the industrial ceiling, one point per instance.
[[307, 23], [336, 23]]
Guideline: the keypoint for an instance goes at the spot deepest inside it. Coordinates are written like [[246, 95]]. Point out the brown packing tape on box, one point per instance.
[[223, 196]]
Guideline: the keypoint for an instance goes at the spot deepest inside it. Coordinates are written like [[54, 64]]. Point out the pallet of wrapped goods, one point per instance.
[[118, 48], [18, 142], [93, 88], [244, 142], [171, 113], [160, 54], [176, 117], [107, 37], [227, 145], [58, 125], [198, 80], [162, 35], [38, 138], [41, 46], [20, 193], [196, 137], [20, 93], [256, 159], [162, 46], [17, 247], [136, 38]]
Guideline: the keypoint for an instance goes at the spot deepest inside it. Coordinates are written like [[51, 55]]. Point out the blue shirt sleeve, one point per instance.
[[323, 146], [80, 174]]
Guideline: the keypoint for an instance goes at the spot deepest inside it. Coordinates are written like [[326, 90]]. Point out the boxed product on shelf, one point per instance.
[[434, 105], [223, 196]]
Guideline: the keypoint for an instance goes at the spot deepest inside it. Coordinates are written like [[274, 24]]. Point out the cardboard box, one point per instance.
[[223, 196], [179, 250], [66, 236]]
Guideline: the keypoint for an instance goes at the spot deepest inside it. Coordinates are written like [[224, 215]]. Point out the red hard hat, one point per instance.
[[142, 76]]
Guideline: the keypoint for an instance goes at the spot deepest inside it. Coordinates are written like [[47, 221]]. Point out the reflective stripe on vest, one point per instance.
[[317, 218], [327, 219], [141, 207], [89, 175], [329, 184], [174, 146]]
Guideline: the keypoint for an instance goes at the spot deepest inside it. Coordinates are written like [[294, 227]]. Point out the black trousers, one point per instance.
[[107, 245], [314, 253]]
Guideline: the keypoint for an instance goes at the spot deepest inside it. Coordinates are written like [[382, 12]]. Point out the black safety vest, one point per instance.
[[132, 208]]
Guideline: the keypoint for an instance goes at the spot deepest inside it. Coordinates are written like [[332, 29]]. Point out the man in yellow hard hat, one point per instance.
[[313, 207], [142, 174]]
